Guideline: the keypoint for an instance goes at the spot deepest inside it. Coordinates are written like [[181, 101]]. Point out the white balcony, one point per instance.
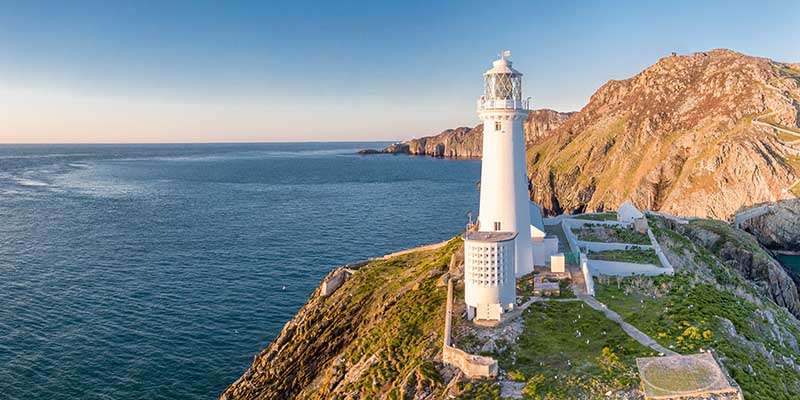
[[505, 104]]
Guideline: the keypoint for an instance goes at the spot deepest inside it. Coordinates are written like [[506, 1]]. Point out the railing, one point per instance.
[[493, 104]]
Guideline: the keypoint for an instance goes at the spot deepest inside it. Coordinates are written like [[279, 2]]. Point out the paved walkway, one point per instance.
[[749, 214], [631, 330]]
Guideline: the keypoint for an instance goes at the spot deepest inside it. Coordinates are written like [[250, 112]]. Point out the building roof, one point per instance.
[[628, 210], [536, 216], [502, 66], [479, 236]]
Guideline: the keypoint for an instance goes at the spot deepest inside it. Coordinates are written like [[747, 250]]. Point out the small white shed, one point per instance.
[[628, 213]]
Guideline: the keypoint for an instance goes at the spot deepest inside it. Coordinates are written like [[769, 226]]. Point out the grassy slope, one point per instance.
[[557, 362], [376, 336], [647, 256], [686, 312], [610, 234]]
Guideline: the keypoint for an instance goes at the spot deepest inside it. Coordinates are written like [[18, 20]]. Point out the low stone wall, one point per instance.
[[433, 246], [473, 366], [676, 219], [746, 215], [334, 281], [577, 222], [660, 253], [587, 275]]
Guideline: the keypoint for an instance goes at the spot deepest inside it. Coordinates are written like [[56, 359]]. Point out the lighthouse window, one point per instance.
[[498, 126], [497, 225]]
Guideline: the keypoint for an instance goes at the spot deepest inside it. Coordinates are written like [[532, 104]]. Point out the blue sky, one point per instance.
[[173, 71]]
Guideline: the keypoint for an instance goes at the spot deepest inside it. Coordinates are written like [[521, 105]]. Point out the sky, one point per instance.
[[233, 71]]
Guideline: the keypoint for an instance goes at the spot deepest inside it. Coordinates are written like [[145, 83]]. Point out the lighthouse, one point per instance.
[[500, 249], [504, 200]]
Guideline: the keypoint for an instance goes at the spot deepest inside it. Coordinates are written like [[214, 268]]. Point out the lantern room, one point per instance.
[[502, 85]]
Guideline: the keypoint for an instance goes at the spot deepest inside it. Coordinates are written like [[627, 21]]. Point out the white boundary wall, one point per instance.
[[587, 275], [473, 366], [660, 253], [571, 239]]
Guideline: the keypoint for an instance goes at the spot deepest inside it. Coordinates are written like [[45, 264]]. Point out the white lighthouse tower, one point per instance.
[[501, 248], [505, 202]]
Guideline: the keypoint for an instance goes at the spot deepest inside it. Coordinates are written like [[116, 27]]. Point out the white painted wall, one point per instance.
[[557, 263], [504, 181], [543, 249], [489, 282]]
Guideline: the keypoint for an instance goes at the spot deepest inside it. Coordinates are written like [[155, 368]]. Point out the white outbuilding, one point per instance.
[[543, 246], [628, 213]]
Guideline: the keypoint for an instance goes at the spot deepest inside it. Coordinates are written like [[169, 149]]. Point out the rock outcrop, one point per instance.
[[779, 228], [742, 253], [465, 142]]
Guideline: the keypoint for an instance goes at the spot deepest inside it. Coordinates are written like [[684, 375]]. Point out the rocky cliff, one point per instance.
[[743, 254], [679, 137], [467, 142], [779, 228]]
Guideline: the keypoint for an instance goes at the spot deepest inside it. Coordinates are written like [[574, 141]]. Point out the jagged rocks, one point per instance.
[[779, 228], [743, 254]]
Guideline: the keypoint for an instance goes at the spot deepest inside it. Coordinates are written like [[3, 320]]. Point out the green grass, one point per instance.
[[647, 256], [480, 390], [550, 347], [398, 336], [605, 216], [610, 234], [684, 315]]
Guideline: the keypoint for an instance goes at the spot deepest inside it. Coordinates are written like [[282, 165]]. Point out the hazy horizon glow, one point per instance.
[[86, 72]]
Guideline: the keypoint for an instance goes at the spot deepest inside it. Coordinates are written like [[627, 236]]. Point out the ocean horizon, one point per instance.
[[157, 271]]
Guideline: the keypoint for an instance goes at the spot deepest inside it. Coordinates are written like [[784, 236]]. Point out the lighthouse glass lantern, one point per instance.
[[502, 85]]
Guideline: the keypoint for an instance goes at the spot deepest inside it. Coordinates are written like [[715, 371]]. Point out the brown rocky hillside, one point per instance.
[[678, 137]]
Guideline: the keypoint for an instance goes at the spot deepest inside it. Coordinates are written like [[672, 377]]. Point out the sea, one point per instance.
[[790, 261], [160, 271]]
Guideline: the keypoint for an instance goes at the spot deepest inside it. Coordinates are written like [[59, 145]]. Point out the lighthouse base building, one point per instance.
[[489, 282]]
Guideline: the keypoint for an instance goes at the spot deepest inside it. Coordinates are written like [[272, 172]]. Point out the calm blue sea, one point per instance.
[[158, 271], [792, 262]]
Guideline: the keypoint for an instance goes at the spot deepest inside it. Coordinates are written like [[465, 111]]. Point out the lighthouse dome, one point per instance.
[[502, 82]]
